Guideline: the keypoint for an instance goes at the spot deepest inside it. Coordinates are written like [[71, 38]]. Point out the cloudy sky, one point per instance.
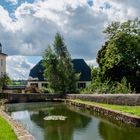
[[28, 26]]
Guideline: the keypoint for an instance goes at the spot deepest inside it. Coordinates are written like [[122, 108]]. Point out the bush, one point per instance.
[[32, 89], [3, 101], [98, 87], [122, 87], [107, 86], [45, 90]]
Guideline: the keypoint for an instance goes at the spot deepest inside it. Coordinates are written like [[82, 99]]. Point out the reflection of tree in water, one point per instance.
[[110, 131], [60, 130], [28, 106]]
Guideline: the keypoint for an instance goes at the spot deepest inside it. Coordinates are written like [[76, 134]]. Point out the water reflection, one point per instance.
[[60, 130], [80, 124], [110, 131], [32, 118]]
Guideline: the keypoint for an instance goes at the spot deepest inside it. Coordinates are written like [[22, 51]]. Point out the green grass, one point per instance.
[[133, 110], [6, 131]]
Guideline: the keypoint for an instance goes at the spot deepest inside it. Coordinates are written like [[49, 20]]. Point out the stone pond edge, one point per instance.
[[20, 131], [117, 115]]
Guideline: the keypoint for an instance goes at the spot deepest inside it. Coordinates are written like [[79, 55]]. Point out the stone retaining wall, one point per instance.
[[33, 97], [20, 131], [118, 99], [117, 115]]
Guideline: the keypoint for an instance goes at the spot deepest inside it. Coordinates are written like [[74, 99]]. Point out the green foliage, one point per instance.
[[104, 87], [4, 81], [58, 67], [31, 89], [101, 87], [17, 83], [16, 91], [46, 90], [3, 101], [94, 73], [121, 87], [6, 132], [131, 27], [120, 56], [132, 110]]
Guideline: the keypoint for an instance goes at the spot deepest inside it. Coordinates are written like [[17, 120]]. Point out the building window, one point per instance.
[[34, 84], [81, 85], [45, 85], [1, 62]]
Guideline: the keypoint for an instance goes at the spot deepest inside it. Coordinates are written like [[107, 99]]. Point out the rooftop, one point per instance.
[[1, 53], [80, 66]]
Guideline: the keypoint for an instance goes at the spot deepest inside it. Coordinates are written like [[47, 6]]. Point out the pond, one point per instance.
[[80, 124]]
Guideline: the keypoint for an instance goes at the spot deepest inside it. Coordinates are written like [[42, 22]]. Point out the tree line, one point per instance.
[[118, 60]]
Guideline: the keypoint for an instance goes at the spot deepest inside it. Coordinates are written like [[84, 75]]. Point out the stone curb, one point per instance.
[[117, 115], [20, 131]]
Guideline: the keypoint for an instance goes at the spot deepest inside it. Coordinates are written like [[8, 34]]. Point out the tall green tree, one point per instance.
[[120, 56], [58, 67], [94, 73]]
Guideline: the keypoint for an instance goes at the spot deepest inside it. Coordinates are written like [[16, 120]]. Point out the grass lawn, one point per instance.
[[133, 110], [6, 131]]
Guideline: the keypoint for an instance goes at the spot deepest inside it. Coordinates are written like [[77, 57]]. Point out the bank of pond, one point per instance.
[[80, 123], [6, 131]]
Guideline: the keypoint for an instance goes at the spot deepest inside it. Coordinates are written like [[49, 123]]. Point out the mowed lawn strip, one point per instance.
[[6, 131], [132, 110]]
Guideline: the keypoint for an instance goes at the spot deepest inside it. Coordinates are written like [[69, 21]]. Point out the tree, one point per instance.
[[120, 56], [4, 81], [94, 73], [58, 67]]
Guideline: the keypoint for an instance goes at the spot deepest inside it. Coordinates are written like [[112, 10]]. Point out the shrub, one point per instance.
[[122, 87], [107, 86], [32, 89], [45, 90]]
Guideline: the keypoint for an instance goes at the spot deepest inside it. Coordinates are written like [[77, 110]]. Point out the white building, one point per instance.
[[2, 61], [37, 79]]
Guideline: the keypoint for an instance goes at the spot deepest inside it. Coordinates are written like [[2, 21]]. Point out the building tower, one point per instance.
[[2, 61], [0, 48]]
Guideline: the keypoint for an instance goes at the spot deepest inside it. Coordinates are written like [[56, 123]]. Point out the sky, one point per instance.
[[28, 26]]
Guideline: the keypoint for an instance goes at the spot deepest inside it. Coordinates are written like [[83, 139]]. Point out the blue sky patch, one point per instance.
[[12, 7], [34, 59], [90, 2]]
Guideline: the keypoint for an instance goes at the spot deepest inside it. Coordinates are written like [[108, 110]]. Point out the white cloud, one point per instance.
[[92, 63], [35, 25], [18, 67]]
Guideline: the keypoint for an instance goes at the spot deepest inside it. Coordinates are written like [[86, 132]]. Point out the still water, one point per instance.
[[80, 124]]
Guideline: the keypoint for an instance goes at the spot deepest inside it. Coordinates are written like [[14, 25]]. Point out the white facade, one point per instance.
[[36, 77], [2, 62], [82, 84], [40, 84]]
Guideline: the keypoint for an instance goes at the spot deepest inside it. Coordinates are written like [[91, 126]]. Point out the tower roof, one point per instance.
[[1, 53]]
